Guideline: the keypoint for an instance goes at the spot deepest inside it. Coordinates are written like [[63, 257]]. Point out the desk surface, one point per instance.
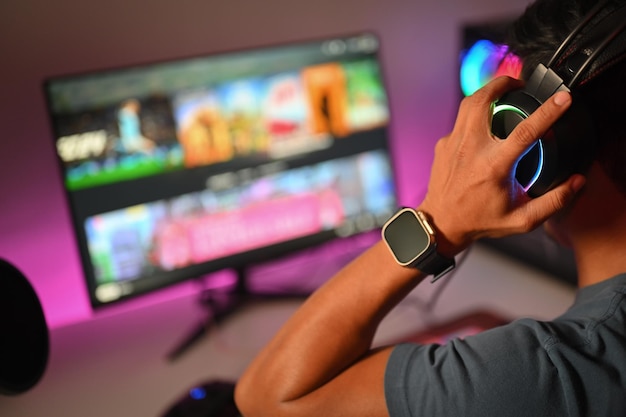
[[117, 366]]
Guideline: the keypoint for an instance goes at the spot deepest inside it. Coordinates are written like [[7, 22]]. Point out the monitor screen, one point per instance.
[[177, 169]]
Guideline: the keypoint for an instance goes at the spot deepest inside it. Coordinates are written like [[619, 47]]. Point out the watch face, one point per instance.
[[406, 236]]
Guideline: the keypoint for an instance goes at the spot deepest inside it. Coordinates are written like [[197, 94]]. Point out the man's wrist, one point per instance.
[[447, 245]]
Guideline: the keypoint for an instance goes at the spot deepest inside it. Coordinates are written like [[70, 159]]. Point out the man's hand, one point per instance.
[[472, 191]]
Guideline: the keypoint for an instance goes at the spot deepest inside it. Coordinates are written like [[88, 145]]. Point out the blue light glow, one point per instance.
[[539, 167], [197, 393]]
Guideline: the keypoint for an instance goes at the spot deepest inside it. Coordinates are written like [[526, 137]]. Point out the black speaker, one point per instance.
[[24, 338], [593, 46]]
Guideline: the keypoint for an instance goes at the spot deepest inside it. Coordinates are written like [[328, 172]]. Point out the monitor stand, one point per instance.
[[220, 302], [321, 262]]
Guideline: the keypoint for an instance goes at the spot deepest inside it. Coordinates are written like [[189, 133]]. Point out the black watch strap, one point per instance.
[[436, 265]]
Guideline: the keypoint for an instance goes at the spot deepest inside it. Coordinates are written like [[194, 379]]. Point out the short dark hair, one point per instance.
[[536, 35]]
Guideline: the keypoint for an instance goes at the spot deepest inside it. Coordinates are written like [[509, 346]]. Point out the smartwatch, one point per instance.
[[412, 242]]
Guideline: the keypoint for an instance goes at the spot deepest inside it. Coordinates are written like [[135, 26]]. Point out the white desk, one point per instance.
[[116, 366]]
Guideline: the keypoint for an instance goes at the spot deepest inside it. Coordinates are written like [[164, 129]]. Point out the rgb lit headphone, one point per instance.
[[592, 47]]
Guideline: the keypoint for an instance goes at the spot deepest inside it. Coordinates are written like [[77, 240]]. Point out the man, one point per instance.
[[321, 362]]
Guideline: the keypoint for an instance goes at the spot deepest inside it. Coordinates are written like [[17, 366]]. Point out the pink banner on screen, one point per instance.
[[213, 236]]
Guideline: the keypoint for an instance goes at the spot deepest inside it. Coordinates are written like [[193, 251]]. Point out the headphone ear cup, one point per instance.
[[566, 148], [510, 110], [513, 108]]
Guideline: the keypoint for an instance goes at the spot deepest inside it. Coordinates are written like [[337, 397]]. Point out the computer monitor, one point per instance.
[[177, 169]]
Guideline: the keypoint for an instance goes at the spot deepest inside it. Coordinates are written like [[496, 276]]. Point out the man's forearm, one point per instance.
[[332, 330]]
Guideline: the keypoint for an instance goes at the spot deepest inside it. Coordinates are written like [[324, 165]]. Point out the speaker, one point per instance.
[[568, 147], [24, 338]]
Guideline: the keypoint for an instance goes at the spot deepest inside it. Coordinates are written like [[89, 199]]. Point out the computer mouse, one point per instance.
[[207, 399]]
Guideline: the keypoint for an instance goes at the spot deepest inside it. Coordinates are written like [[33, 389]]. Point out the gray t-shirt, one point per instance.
[[574, 365]]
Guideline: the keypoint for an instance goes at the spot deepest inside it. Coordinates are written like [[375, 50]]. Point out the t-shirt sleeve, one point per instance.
[[501, 372]]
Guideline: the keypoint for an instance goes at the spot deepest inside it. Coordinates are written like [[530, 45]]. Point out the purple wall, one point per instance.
[[40, 39]]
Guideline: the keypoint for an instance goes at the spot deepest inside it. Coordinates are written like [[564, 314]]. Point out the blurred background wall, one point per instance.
[[39, 39]]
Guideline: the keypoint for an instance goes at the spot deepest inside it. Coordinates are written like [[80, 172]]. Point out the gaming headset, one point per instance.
[[592, 47]]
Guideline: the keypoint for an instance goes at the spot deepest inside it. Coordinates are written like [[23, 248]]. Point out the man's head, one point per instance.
[[535, 37]]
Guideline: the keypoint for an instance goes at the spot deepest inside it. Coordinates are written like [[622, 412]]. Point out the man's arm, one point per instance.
[[321, 362]]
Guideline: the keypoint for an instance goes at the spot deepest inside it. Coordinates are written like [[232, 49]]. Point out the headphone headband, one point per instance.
[[570, 38], [583, 56]]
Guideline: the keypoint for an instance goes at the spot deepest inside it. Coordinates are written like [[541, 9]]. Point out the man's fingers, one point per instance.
[[541, 208], [477, 107], [531, 129], [494, 90]]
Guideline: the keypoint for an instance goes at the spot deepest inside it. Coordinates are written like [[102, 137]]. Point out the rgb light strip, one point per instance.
[[484, 61]]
